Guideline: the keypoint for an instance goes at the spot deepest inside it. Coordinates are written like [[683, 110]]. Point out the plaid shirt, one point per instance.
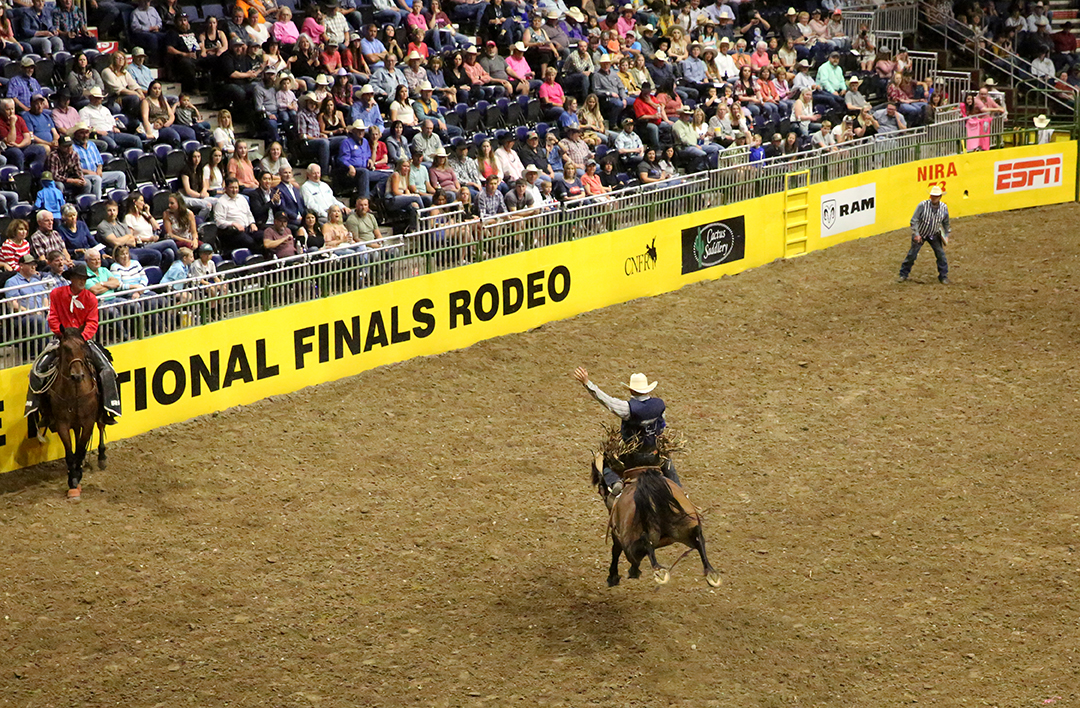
[[69, 20], [64, 166], [307, 124], [336, 27], [41, 243], [490, 204]]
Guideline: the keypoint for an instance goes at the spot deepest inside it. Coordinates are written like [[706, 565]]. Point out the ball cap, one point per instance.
[[639, 383], [28, 259], [936, 191]]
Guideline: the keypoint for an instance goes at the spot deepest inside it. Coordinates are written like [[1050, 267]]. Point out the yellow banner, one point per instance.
[[180, 375]]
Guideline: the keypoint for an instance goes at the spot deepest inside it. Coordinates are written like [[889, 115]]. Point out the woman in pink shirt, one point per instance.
[[313, 25], [626, 20], [551, 95], [285, 31], [760, 58], [416, 17]]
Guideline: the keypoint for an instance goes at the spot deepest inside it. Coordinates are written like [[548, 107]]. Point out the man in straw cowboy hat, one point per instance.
[[642, 420], [929, 223], [73, 305]]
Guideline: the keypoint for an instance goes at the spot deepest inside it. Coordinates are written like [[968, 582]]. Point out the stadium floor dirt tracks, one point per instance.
[[889, 473]]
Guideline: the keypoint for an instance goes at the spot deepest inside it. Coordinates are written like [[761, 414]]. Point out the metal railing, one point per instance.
[[902, 18], [923, 65], [889, 42], [957, 84], [1044, 96], [453, 242]]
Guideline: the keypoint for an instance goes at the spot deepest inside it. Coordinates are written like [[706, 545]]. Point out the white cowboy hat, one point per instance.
[[576, 14], [639, 383], [936, 191], [1041, 121], [414, 55], [519, 46]]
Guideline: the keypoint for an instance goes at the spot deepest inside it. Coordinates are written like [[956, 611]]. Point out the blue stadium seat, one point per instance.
[[521, 133], [22, 211], [8, 172], [216, 10], [148, 191], [161, 150], [601, 150], [118, 195], [153, 274], [241, 255], [191, 146], [83, 202], [541, 130]]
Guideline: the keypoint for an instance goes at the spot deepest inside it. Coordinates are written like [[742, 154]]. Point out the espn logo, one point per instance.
[[1028, 173]]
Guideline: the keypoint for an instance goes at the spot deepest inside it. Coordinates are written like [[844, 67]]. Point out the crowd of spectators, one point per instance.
[[395, 106], [1018, 36]]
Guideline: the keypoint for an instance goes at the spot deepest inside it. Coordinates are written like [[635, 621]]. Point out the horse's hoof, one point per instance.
[[75, 494], [634, 573], [661, 576], [612, 581], [714, 579], [102, 464]]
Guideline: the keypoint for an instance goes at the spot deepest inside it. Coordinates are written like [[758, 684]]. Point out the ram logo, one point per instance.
[[828, 213]]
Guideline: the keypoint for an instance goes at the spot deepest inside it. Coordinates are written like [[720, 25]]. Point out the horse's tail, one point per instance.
[[657, 509]]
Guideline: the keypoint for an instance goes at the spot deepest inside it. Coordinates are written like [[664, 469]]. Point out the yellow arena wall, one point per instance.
[[177, 376]]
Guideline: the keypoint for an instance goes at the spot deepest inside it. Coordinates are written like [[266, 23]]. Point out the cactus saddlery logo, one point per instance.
[[712, 244]]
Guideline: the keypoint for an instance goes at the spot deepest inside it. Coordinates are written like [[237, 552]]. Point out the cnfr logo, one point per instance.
[[828, 213], [643, 262], [714, 243], [1028, 173]]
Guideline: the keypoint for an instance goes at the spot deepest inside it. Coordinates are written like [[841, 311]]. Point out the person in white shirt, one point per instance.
[[1042, 67], [235, 224], [725, 64], [318, 197], [507, 159]]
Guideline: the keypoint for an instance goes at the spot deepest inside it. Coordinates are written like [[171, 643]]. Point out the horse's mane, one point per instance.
[[657, 508]]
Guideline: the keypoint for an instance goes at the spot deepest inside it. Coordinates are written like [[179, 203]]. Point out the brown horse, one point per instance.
[[75, 407], [652, 512]]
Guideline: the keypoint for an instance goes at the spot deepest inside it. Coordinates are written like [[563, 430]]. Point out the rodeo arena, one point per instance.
[[391, 352]]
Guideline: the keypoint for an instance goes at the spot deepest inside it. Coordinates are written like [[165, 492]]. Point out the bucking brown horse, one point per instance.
[[652, 512], [75, 407]]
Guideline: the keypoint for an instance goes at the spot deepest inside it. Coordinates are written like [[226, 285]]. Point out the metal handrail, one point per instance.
[[985, 51], [270, 284]]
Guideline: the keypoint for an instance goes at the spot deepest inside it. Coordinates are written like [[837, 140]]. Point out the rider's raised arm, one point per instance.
[[618, 407]]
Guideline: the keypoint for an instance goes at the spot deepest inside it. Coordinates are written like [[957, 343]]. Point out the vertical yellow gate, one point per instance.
[[796, 213]]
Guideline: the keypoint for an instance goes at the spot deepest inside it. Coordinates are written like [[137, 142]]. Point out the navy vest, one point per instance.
[[646, 421]]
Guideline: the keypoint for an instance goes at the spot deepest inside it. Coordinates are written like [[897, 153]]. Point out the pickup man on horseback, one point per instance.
[[72, 305], [642, 422]]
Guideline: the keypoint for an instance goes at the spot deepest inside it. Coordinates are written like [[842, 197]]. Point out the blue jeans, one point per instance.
[[167, 249], [320, 149], [118, 141], [939, 254]]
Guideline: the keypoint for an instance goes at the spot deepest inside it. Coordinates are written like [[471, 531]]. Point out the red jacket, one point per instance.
[[81, 314]]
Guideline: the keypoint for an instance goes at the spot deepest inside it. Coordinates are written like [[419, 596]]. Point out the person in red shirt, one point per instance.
[[651, 119], [1064, 46], [72, 306], [16, 137]]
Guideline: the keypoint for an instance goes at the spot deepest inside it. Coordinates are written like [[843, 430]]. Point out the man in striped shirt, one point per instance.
[[929, 223]]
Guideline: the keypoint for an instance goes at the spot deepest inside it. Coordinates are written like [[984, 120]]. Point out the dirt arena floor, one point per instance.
[[889, 473]]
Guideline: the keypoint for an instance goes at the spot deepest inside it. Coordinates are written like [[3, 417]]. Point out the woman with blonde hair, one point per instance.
[[594, 127], [241, 168], [680, 44], [224, 135], [803, 117], [120, 85]]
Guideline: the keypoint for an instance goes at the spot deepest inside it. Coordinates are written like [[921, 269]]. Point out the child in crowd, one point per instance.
[[187, 113], [49, 196], [205, 270]]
